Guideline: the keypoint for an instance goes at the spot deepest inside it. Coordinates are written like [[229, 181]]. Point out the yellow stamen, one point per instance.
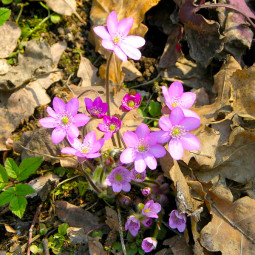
[[85, 150], [116, 40], [65, 120], [131, 104], [174, 104], [118, 177], [141, 148], [176, 131], [112, 127], [147, 210]]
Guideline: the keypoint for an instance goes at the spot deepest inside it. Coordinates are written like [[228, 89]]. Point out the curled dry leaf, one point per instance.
[[95, 247], [112, 219], [63, 7], [130, 71], [178, 245]]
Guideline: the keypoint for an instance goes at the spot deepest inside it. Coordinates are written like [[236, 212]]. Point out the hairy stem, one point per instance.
[[107, 88]]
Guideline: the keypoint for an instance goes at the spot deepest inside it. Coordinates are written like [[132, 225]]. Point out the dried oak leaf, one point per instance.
[[112, 219], [231, 221], [178, 245], [63, 7], [202, 35]]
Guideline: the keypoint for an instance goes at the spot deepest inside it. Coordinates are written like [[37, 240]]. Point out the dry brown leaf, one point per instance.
[[57, 50], [178, 245], [9, 34], [63, 7], [112, 219], [77, 235], [130, 71], [95, 247]]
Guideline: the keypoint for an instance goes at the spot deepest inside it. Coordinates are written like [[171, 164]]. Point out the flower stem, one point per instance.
[[90, 166], [107, 88], [159, 220], [120, 230]]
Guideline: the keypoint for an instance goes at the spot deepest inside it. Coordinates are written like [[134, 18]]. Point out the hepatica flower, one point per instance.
[[147, 222], [131, 102], [89, 148], [148, 244], [176, 128], [64, 119], [96, 108], [136, 176], [119, 179], [151, 209], [133, 225], [143, 149], [177, 220], [115, 37], [110, 126], [175, 97]]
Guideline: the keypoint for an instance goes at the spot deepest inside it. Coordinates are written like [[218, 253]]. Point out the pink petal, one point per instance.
[[128, 156], [190, 142], [126, 187], [165, 123], [58, 105], [102, 32], [134, 41], [162, 136], [125, 25], [73, 106], [188, 99], [107, 44], [140, 164], [72, 131], [142, 131], [116, 187], [112, 23], [58, 135], [130, 138], [175, 89], [68, 150], [102, 127], [189, 113], [166, 94], [175, 149], [158, 151], [97, 145], [181, 227], [150, 161], [176, 116], [51, 112], [130, 51], [80, 120], [88, 103], [120, 54], [48, 122], [90, 138], [93, 155], [108, 135], [190, 123], [75, 142]]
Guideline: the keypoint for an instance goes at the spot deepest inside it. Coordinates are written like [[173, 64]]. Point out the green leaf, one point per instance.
[[34, 249], [4, 15], [18, 205], [7, 196], [154, 109], [7, 1], [55, 18], [63, 228], [23, 189], [28, 166], [3, 177], [11, 168]]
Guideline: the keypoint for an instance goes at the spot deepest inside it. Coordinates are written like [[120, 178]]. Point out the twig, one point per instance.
[[122, 140], [145, 83], [46, 246], [120, 231], [90, 166], [31, 229], [107, 89]]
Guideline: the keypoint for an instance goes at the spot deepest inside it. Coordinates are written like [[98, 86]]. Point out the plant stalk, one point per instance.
[[107, 85]]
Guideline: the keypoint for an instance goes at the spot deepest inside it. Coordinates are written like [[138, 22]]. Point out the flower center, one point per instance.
[[112, 127], [138, 176], [177, 131], [147, 210], [65, 120], [131, 104], [143, 146], [85, 150], [118, 177], [175, 102], [116, 40], [96, 110]]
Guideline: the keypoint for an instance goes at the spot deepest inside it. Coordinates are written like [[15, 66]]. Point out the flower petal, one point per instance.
[[90, 138], [93, 155], [130, 138], [72, 131], [108, 135], [88, 103], [175, 149], [102, 127], [120, 54], [58, 135], [134, 41], [75, 142], [58, 105], [73, 106], [140, 164], [190, 123], [80, 120], [126, 187], [190, 142], [112, 23], [161, 136], [176, 116], [158, 151], [116, 187], [51, 112], [125, 25], [165, 123], [130, 51], [150, 161], [68, 150], [128, 156], [48, 122], [188, 99], [142, 131], [175, 89], [97, 146], [98, 102], [189, 113], [108, 44], [102, 32]]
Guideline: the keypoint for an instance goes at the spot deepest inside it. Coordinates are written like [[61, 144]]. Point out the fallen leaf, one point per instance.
[[178, 245], [63, 7], [95, 247], [9, 34], [130, 71], [77, 235], [112, 219], [57, 50]]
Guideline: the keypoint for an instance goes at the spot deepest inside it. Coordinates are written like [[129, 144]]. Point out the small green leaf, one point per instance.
[[28, 166], [23, 189], [18, 205], [11, 168], [43, 229], [63, 228], [4, 15], [154, 109], [7, 1], [3, 177], [7, 196], [34, 249], [55, 18]]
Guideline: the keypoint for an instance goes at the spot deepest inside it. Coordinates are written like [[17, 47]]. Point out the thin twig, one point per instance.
[[146, 83], [122, 140], [120, 231], [46, 246], [107, 89]]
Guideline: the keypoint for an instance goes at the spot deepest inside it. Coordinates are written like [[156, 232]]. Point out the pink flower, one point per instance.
[[146, 191], [148, 244], [175, 97], [96, 108], [133, 225], [151, 209], [115, 37], [147, 222], [177, 220], [137, 177], [119, 179], [176, 128], [130, 102], [64, 119], [88, 149], [110, 126], [143, 149]]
